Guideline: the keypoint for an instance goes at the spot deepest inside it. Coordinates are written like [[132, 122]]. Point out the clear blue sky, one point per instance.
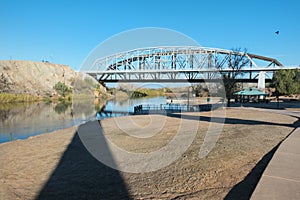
[[66, 31]]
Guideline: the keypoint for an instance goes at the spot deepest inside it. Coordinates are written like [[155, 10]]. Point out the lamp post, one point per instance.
[[188, 99]]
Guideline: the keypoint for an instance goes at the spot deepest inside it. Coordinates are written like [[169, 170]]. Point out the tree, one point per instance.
[[236, 60], [61, 88], [287, 81], [200, 90]]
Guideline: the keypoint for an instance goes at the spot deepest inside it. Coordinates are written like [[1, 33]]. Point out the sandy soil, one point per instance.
[[57, 165]]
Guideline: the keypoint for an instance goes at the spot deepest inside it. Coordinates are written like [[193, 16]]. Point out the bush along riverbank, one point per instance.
[[16, 98], [23, 98], [61, 93]]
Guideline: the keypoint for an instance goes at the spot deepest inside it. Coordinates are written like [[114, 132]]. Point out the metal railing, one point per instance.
[[170, 108]]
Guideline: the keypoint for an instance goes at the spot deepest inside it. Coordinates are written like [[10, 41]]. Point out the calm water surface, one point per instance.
[[20, 121]]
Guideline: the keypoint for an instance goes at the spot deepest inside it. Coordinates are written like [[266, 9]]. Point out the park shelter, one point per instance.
[[251, 94]]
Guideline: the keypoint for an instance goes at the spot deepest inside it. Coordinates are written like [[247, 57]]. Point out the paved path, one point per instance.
[[281, 178]]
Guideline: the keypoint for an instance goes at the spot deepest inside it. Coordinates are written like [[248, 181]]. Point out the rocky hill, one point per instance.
[[35, 78]]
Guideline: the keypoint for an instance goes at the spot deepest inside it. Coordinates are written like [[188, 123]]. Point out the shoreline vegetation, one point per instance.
[[68, 95], [18, 98], [111, 93], [27, 98], [121, 93], [61, 93]]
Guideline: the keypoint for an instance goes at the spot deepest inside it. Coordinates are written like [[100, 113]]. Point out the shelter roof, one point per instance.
[[251, 92]]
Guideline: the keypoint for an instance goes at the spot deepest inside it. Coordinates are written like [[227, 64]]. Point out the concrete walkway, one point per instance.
[[281, 178]]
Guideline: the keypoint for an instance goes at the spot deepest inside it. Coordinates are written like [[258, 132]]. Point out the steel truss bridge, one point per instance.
[[180, 64]]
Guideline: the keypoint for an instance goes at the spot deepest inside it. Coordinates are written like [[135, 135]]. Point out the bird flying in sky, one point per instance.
[[277, 32]]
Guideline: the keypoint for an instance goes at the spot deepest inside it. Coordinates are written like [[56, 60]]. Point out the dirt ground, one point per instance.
[[57, 165]]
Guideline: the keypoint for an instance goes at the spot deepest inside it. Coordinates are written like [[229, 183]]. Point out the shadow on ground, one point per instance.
[[244, 189], [232, 120], [80, 176], [272, 105]]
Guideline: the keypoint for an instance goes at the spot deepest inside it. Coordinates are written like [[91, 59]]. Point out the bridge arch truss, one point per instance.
[[179, 64]]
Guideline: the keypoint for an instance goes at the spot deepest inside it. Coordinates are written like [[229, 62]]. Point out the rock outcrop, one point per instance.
[[35, 78]]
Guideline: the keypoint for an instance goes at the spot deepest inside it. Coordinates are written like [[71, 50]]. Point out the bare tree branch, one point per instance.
[[236, 61]]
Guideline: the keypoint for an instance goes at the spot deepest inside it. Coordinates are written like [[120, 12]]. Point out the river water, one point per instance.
[[23, 120]]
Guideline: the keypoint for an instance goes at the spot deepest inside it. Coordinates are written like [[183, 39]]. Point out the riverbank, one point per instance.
[[6, 98], [57, 166], [18, 98]]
